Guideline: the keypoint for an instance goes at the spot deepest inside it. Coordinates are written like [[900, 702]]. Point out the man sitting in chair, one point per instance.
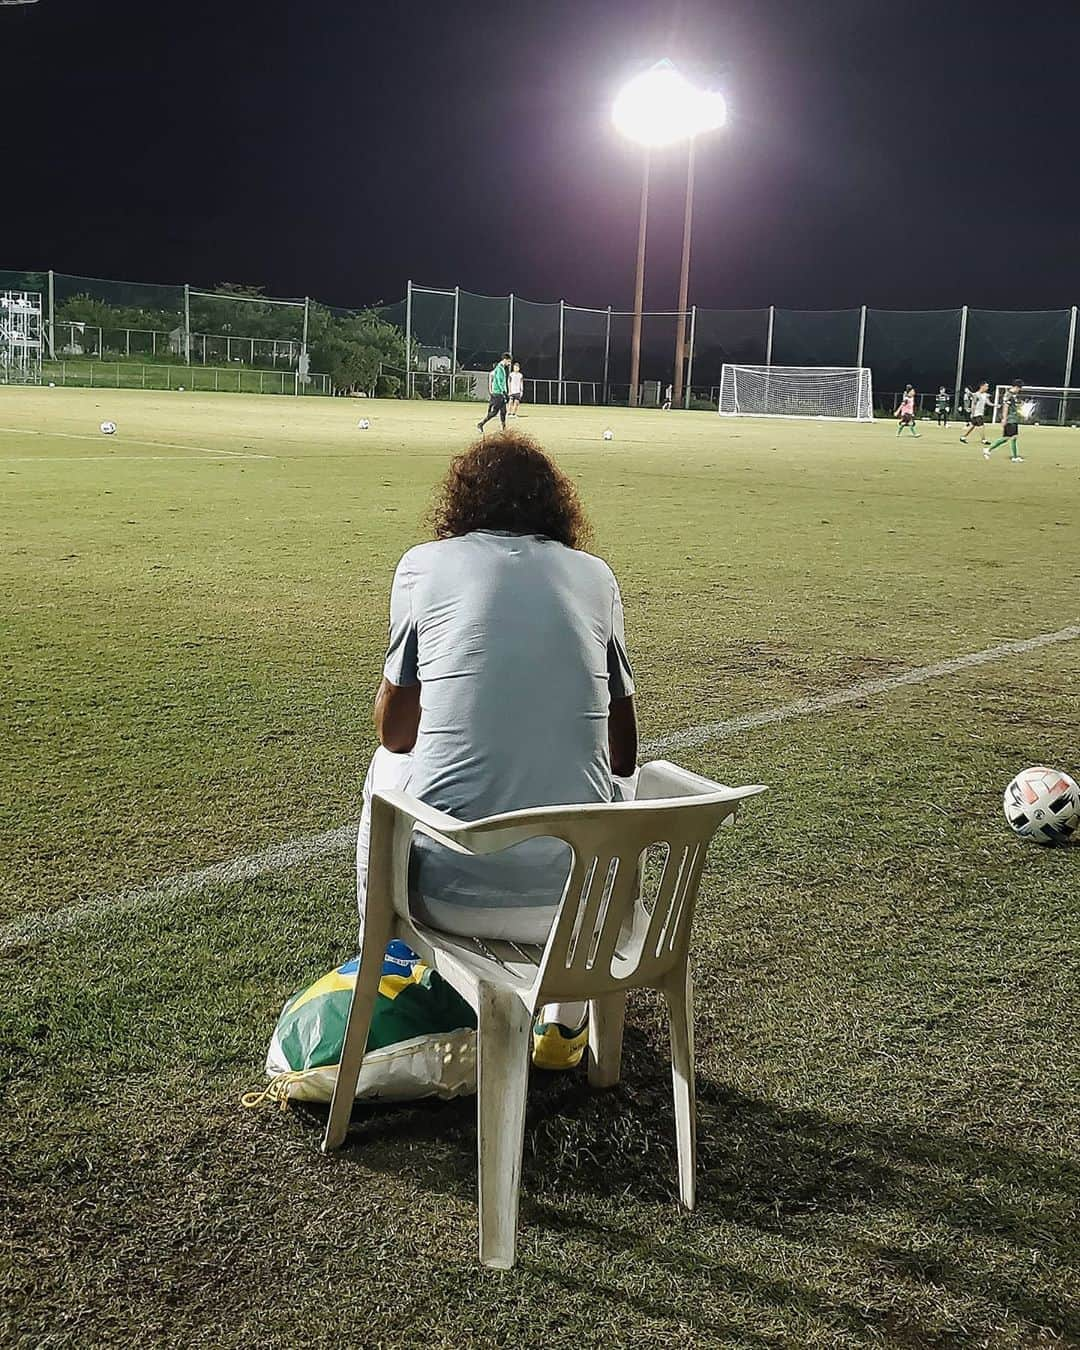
[[506, 686]]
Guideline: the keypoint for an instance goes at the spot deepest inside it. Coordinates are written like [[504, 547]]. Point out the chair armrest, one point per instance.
[[438, 825], [659, 779]]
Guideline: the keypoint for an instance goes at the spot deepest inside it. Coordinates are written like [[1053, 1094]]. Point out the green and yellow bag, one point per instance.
[[422, 1041]]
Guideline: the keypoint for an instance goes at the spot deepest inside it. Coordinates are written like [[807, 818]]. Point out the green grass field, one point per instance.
[[886, 980]]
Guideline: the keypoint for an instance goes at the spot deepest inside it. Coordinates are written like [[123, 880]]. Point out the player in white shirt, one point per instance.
[[517, 389], [977, 412]]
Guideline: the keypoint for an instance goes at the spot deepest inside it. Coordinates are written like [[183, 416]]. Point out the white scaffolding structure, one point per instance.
[[21, 337]]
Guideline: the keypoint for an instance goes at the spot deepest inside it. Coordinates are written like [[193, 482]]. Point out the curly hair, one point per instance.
[[507, 482]]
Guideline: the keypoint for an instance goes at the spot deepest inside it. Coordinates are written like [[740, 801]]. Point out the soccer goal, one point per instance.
[[1052, 405], [797, 391]]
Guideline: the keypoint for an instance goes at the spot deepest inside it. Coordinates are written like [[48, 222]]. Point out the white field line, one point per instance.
[[162, 445], [292, 853]]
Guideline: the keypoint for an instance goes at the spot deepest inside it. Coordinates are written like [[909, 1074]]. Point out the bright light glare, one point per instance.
[[660, 107]]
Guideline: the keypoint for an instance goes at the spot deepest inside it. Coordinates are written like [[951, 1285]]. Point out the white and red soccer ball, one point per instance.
[[1044, 805]]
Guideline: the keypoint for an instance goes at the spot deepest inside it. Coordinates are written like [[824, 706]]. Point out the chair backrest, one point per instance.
[[625, 916], [629, 901]]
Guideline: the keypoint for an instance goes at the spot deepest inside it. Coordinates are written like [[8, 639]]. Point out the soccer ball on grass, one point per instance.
[[609, 435], [363, 424], [108, 428], [1044, 805]]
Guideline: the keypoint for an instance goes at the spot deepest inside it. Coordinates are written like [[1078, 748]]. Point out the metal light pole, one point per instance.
[[639, 286], [684, 278], [659, 107]]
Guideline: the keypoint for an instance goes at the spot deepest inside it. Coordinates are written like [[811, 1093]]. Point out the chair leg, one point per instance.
[[378, 922], [504, 1032], [680, 1001], [605, 1039]]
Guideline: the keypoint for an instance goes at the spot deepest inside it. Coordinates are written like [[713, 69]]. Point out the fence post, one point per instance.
[[453, 353], [510, 326], [768, 340], [52, 314], [187, 326], [1069, 361], [303, 340], [408, 339], [607, 352], [960, 357], [862, 337], [562, 311], [690, 357]]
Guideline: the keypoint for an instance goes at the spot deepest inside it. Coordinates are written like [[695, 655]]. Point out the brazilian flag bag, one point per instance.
[[422, 1041]]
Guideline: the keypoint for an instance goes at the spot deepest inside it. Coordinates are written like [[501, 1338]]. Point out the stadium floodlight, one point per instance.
[[661, 107], [657, 108]]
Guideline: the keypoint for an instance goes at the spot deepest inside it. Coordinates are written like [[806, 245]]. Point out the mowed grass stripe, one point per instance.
[[296, 852]]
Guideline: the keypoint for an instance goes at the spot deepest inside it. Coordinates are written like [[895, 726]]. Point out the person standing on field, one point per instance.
[[500, 388], [941, 407], [906, 412], [1010, 424], [977, 413], [517, 389]]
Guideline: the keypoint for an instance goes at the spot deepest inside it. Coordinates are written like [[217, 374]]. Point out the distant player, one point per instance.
[[1010, 424], [941, 407], [517, 389], [666, 405], [500, 387], [906, 412], [980, 397]]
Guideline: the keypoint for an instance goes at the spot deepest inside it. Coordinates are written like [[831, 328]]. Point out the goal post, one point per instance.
[[840, 392], [1051, 405]]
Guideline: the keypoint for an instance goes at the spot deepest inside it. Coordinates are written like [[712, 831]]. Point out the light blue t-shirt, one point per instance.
[[517, 643]]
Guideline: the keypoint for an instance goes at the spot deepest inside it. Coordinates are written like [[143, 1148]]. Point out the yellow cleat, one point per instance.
[[559, 1047]]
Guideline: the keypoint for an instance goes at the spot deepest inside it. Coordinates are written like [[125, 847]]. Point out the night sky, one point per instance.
[[908, 155]]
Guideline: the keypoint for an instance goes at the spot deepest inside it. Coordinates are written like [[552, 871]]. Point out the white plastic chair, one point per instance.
[[606, 938]]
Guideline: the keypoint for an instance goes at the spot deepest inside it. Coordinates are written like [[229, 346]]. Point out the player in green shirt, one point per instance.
[[941, 407], [1010, 424], [500, 388]]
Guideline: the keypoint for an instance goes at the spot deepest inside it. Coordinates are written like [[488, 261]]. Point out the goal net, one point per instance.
[[797, 391], [1052, 405]]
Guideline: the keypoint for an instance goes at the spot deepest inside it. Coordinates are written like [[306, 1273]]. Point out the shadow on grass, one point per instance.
[[799, 1174]]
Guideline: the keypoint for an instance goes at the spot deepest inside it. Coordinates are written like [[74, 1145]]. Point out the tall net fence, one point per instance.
[[568, 353], [918, 347], [1025, 345], [725, 337], [815, 337]]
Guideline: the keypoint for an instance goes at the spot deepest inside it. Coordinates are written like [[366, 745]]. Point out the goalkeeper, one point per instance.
[[941, 407]]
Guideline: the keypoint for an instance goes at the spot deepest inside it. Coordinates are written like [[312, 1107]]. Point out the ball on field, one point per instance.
[[363, 424], [52, 384], [609, 435], [1044, 805], [108, 428], [179, 388]]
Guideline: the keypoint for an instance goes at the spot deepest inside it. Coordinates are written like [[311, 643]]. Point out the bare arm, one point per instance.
[[622, 736], [397, 716]]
